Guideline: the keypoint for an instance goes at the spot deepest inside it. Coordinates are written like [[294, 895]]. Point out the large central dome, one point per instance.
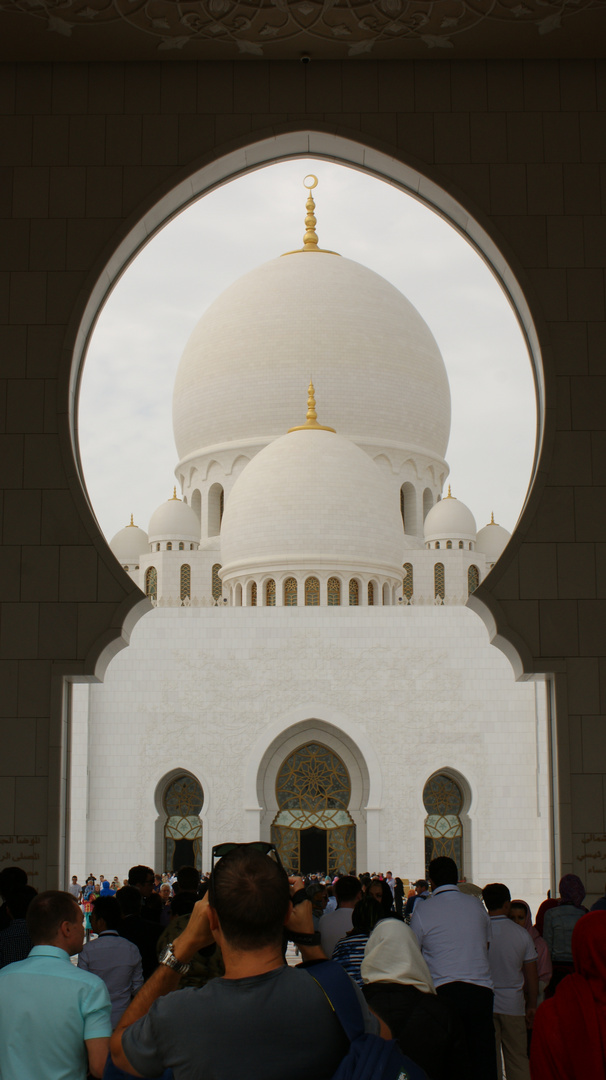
[[312, 313]]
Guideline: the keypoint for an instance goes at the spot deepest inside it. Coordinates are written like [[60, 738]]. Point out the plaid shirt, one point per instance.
[[15, 943]]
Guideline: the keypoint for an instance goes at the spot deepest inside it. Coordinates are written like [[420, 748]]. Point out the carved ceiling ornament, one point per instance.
[[327, 28]]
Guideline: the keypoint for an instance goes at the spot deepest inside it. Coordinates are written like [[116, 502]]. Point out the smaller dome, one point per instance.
[[492, 540], [129, 544], [174, 520], [450, 519]]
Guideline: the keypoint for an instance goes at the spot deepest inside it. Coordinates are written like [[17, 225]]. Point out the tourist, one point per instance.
[[12, 877], [398, 987], [421, 888], [349, 951], [379, 890], [558, 925], [54, 1018], [520, 913], [74, 888], [570, 1028], [113, 958], [335, 924], [15, 942], [142, 932]]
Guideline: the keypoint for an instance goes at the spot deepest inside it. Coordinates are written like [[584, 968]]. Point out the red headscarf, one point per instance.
[[569, 1035]]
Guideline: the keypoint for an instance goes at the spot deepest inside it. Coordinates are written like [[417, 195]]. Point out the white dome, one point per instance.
[[174, 520], [492, 540], [370, 353], [449, 519], [129, 544], [312, 500]]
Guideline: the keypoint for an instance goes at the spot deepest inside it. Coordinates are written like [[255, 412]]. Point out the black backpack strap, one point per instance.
[[341, 994]]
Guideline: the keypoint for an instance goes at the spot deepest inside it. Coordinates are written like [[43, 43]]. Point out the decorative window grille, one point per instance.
[[371, 594], [217, 588], [181, 546], [407, 583], [449, 544], [438, 581], [473, 579], [151, 583], [185, 582], [169, 546], [253, 594], [221, 505], [334, 592], [354, 593], [443, 801], [312, 592], [270, 593], [461, 545], [290, 592]]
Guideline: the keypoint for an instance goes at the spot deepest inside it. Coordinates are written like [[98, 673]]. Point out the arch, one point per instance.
[[408, 581], [333, 592], [290, 592], [196, 503], [251, 594], [312, 592], [427, 502], [473, 579], [438, 581], [182, 801], [216, 584], [238, 595], [151, 583], [370, 592], [215, 509], [408, 508], [270, 593], [446, 800], [169, 545], [386, 594], [181, 546], [185, 582], [354, 592]]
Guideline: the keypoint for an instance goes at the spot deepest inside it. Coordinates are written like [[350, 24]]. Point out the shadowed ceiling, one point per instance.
[[114, 30]]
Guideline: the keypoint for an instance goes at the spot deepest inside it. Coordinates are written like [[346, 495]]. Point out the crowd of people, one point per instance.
[[186, 975]]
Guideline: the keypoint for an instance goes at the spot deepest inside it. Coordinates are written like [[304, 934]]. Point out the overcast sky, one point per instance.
[[126, 441]]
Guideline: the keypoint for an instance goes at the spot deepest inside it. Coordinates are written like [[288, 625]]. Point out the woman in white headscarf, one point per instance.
[[399, 989]]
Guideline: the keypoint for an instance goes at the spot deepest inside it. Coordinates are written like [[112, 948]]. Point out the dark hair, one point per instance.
[[108, 909], [347, 888], [12, 877], [188, 879], [443, 871], [129, 899], [522, 905], [495, 895], [46, 913], [138, 875], [386, 901], [182, 903], [366, 915], [250, 894], [18, 900]]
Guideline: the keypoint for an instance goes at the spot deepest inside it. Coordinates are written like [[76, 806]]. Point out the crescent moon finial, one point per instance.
[[314, 179]]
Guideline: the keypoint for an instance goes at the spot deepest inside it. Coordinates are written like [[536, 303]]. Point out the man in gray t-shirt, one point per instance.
[[262, 1020]]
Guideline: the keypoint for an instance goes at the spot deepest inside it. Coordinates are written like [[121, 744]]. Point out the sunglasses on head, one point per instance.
[[264, 846]]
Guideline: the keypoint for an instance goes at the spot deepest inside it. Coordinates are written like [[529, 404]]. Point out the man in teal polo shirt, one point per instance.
[[54, 1018]]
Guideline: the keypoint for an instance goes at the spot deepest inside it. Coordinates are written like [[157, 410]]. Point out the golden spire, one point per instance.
[[310, 239], [449, 496], [174, 496], [311, 422], [131, 525], [492, 520]]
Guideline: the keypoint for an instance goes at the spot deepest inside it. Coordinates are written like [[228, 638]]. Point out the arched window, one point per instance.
[[386, 594], [408, 508], [443, 801], [181, 546], [449, 544], [253, 594], [151, 583], [217, 588], [157, 547], [473, 579], [407, 583], [312, 592], [437, 545], [221, 506], [438, 581], [185, 582], [183, 801], [238, 595], [215, 509], [427, 502], [333, 591], [196, 503], [354, 593], [371, 594], [290, 592], [270, 593], [461, 545], [169, 546]]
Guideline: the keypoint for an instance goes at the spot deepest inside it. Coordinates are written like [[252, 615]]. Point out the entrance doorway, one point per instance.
[[313, 851]]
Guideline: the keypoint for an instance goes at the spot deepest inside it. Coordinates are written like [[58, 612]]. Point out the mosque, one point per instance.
[[309, 671]]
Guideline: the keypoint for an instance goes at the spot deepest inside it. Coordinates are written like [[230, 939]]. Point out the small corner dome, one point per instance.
[[312, 500], [450, 519], [492, 540], [174, 520], [129, 544]]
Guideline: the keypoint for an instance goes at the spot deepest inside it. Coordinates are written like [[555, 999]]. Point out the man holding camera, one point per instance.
[[263, 1019]]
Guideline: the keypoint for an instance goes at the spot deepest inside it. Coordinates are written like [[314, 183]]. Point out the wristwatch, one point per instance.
[[299, 938], [169, 960]]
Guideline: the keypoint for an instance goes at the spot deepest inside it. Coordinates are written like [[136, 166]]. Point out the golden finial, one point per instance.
[[311, 421], [174, 496], [310, 239], [132, 523], [492, 520], [449, 496]]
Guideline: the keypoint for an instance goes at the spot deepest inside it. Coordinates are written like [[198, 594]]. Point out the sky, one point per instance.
[[125, 410]]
